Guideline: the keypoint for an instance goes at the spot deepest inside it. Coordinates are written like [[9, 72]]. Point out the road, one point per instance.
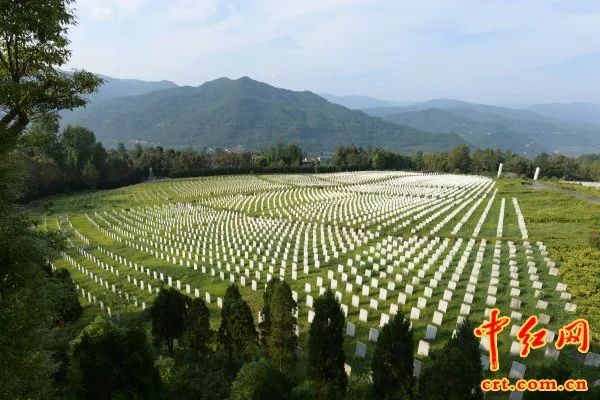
[[537, 185]]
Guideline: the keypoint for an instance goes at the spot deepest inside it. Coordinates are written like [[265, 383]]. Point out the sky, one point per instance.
[[497, 52]]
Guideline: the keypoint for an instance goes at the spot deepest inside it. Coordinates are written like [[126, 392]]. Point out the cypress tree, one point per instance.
[[197, 333], [265, 324], [281, 341], [392, 363], [325, 344], [237, 331], [168, 313], [455, 372]]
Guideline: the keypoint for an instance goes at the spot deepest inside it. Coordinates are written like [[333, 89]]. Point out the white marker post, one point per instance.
[[537, 173], [500, 170]]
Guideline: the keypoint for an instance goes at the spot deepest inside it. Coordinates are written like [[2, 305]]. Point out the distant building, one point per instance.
[[311, 162]]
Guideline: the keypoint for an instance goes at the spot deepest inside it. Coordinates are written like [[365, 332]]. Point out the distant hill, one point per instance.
[[519, 130], [360, 102], [580, 112], [245, 113], [116, 87], [480, 134]]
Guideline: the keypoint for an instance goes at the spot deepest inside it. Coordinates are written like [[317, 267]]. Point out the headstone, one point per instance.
[[373, 335], [551, 353], [384, 320], [363, 315], [592, 360], [516, 395], [438, 317], [517, 370], [430, 332], [417, 364], [361, 349], [515, 349], [415, 313], [485, 362], [350, 329], [423, 348]]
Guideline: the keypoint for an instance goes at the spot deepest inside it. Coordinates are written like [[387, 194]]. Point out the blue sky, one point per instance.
[[507, 51]]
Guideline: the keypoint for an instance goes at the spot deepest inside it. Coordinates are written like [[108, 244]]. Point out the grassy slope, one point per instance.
[[564, 223], [558, 219]]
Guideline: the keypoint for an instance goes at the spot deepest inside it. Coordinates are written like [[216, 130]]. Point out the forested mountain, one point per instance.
[[519, 130], [248, 114]]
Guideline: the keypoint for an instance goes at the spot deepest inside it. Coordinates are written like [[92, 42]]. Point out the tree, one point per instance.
[[110, 362], [455, 372], [281, 340], [259, 380], [90, 175], [325, 344], [435, 162], [168, 313], [486, 161], [264, 324], [80, 145], [392, 363], [237, 331], [33, 45], [66, 300], [206, 378], [197, 334], [459, 159]]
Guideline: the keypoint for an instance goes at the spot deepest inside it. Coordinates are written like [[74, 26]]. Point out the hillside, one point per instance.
[[522, 131], [245, 113], [481, 134]]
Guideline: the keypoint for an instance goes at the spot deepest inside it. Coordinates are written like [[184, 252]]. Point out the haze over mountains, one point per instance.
[[248, 114]]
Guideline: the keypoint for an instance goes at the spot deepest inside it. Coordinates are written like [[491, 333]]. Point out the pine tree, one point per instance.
[[325, 344], [455, 372], [197, 333], [168, 316], [392, 363], [281, 341], [465, 341], [237, 331], [264, 324]]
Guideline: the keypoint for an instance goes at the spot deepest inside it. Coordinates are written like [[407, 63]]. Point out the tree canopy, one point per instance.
[[325, 343], [392, 363], [33, 45]]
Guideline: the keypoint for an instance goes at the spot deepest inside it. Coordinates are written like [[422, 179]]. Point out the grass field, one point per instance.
[[434, 233]]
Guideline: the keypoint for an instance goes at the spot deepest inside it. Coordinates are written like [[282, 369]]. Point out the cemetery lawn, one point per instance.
[[435, 233]]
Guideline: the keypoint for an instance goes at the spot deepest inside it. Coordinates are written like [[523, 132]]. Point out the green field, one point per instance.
[[400, 228]]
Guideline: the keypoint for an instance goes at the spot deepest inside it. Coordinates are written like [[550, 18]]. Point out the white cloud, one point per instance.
[[487, 51]]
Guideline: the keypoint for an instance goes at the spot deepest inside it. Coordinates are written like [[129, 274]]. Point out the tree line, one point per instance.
[[188, 358], [73, 159], [243, 360]]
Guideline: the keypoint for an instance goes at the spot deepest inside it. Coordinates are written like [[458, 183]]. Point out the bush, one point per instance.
[[259, 380]]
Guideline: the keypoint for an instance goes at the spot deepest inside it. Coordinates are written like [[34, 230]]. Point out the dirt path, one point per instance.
[[536, 185]]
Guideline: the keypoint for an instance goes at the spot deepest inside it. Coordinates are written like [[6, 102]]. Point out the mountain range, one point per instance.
[[244, 113], [523, 130]]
